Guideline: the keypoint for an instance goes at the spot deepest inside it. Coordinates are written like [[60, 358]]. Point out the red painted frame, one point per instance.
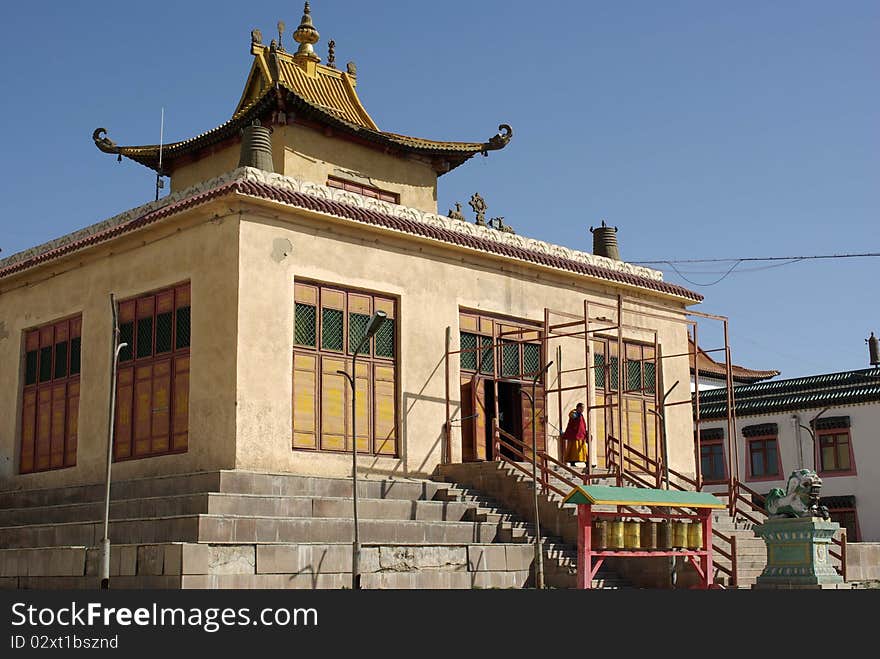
[[701, 559], [725, 476], [817, 453], [770, 477], [364, 190]]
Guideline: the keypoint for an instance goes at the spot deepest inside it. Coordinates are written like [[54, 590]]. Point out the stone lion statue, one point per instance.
[[800, 498]]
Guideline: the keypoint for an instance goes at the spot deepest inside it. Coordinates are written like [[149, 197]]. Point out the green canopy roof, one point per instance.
[[641, 496]]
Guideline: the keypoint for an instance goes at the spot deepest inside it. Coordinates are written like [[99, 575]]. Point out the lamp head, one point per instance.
[[376, 321]]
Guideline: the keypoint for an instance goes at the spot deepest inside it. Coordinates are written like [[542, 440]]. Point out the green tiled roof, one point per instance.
[[641, 496], [830, 389]]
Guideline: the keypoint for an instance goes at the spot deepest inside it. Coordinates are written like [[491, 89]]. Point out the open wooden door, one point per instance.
[[473, 415], [539, 418]]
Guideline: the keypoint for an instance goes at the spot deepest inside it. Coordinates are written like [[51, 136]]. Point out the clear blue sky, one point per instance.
[[700, 129]]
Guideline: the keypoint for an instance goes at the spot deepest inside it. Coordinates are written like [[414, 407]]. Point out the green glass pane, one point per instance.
[[61, 360], [385, 339], [509, 358], [612, 373], [183, 321], [650, 376], [531, 358], [75, 355], [633, 376], [305, 325], [599, 370], [468, 359], [331, 332], [144, 337], [487, 361], [126, 336], [357, 330], [163, 333], [30, 369], [45, 364]]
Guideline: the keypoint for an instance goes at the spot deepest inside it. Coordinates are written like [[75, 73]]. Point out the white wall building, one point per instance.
[[829, 423]]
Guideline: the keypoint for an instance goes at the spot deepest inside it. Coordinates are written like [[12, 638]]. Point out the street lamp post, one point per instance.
[[372, 327], [105, 541], [539, 554]]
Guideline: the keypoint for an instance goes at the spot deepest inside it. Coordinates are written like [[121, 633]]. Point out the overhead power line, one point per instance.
[[784, 260], [758, 258]]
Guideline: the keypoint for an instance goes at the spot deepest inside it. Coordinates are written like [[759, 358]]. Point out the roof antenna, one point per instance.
[[159, 182]]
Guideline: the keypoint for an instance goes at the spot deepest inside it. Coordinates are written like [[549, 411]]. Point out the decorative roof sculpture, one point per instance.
[[283, 84]]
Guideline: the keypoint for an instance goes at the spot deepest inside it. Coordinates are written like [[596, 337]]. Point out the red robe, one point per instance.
[[575, 437]]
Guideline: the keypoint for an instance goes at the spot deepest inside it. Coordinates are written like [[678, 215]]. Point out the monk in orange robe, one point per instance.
[[575, 436]]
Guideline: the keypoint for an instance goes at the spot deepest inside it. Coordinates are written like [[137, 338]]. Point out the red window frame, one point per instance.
[[714, 442], [152, 388], [365, 190], [834, 432], [766, 477], [50, 404]]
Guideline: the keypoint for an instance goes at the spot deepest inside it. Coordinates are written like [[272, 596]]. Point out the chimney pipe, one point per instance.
[[256, 147], [605, 241]]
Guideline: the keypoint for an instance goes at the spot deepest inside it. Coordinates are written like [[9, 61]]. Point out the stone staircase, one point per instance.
[[236, 529], [501, 493], [514, 489]]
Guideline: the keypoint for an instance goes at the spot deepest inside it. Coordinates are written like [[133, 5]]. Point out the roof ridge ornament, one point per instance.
[[499, 141], [280, 35], [306, 36], [331, 54]]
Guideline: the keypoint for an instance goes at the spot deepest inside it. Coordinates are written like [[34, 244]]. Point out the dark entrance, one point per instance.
[[509, 414]]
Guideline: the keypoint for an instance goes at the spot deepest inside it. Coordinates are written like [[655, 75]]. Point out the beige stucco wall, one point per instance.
[[864, 484], [242, 259], [432, 284], [189, 247], [308, 155]]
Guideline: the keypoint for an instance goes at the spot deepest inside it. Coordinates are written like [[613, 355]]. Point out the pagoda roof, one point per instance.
[[710, 368], [283, 87]]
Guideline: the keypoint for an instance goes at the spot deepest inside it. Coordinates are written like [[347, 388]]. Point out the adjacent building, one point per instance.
[[829, 423]]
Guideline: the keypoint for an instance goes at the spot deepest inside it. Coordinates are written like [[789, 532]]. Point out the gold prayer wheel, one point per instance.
[[615, 535], [649, 535], [600, 534], [695, 536], [631, 535], [664, 534], [679, 534]]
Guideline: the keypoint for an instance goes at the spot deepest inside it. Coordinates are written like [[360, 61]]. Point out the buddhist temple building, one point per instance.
[[241, 296]]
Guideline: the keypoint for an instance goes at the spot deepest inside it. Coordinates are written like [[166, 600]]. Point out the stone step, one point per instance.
[[237, 529], [229, 481], [307, 565], [243, 504]]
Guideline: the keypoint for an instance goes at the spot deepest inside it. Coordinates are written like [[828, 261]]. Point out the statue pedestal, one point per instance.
[[797, 553]]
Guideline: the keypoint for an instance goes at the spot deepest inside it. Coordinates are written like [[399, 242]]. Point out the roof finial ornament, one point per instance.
[[306, 35], [256, 37], [331, 54], [480, 208], [352, 69], [280, 35], [456, 214]]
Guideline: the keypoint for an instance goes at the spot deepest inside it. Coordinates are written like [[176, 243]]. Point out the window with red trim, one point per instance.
[[50, 396], [152, 388], [764, 463], [365, 190], [712, 465], [835, 451]]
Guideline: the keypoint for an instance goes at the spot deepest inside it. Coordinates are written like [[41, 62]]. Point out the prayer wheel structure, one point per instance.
[[695, 536], [664, 535], [615, 535], [631, 535], [679, 535], [649, 535], [600, 534]]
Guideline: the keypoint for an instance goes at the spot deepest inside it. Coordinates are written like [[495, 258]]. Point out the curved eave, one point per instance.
[[453, 153]]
